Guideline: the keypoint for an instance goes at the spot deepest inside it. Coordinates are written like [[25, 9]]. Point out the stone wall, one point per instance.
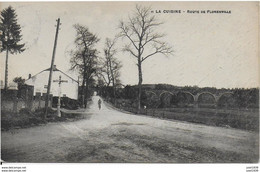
[[15, 100]]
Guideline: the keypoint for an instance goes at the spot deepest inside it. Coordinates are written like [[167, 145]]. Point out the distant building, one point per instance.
[[40, 82]]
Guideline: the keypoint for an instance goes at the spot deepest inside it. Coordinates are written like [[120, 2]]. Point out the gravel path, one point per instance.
[[108, 135]]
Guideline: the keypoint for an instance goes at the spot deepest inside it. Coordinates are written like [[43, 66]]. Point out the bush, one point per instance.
[[40, 112], [24, 118], [25, 111]]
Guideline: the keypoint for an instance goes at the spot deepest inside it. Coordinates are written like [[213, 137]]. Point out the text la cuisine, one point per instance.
[[193, 11], [167, 11]]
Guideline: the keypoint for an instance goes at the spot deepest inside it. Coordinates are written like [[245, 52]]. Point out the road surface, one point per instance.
[[109, 135]]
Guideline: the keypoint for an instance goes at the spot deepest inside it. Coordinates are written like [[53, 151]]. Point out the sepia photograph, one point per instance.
[[130, 82]]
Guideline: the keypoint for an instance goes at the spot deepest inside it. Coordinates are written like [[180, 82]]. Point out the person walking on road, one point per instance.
[[99, 104]]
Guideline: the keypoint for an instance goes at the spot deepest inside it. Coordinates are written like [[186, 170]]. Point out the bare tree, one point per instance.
[[110, 66], [84, 58], [143, 40]]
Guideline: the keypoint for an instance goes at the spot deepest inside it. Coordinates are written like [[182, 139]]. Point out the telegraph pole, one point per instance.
[[51, 69]]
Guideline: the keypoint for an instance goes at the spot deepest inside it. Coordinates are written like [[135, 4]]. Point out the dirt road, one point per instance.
[[108, 135]]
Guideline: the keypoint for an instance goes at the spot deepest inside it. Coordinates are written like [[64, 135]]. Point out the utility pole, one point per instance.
[[51, 70], [58, 106]]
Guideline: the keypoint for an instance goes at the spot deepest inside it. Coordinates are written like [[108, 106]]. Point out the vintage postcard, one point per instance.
[[130, 82]]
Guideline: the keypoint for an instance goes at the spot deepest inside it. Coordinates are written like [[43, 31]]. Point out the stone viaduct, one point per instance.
[[158, 94]]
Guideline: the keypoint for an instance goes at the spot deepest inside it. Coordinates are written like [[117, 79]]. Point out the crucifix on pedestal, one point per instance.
[[58, 105]]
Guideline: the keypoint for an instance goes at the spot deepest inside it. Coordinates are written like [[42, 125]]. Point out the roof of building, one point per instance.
[[54, 69]]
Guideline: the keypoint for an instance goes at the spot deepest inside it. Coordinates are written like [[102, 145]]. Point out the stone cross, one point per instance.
[[58, 105]]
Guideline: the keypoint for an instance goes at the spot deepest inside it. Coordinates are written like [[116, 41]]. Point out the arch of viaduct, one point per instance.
[[216, 97]]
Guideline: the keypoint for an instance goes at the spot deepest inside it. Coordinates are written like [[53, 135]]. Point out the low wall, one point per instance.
[[12, 102], [7, 105], [17, 105], [37, 104]]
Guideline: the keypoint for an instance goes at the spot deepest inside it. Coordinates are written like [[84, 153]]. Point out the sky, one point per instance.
[[210, 50]]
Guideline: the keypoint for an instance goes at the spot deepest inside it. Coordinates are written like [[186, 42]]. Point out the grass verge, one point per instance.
[[229, 118], [26, 118]]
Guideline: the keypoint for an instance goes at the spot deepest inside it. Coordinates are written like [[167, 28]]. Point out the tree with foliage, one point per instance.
[[20, 81], [143, 39], [84, 58], [10, 36], [110, 66]]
